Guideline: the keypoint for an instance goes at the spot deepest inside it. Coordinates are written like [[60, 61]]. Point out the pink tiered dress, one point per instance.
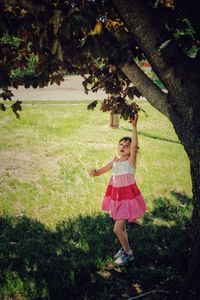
[[123, 199]]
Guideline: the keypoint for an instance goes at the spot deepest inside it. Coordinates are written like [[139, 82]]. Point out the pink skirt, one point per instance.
[[124, 202]]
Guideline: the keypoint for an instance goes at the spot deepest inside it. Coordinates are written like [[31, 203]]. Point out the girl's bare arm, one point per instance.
[[134, 143], [98, 172]]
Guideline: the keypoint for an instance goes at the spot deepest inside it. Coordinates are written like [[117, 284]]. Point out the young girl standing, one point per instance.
[[123, 199]]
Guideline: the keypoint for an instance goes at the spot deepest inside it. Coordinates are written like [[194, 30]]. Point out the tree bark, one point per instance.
[[188, 132], [161, 50], [181, 105], [146, 87], [191, 288], [179, 74]]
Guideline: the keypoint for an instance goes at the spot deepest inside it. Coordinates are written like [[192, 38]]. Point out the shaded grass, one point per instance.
[[72, 262], [55, 242]]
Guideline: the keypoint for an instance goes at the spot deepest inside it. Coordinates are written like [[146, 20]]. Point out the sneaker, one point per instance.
[[124, 259], [119, 253]]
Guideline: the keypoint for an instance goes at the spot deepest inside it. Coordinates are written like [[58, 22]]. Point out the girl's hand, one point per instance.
[[93, 173], [134, 121]]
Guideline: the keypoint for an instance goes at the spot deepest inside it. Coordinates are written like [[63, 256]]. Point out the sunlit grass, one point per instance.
[[55, 241], [58, 144]]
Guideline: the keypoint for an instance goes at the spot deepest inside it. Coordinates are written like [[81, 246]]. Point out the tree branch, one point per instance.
[[30, 5], [153, 292], [161, 50], [155, 96]]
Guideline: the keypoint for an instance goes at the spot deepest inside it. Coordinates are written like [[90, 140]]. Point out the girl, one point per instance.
[[123, 198]]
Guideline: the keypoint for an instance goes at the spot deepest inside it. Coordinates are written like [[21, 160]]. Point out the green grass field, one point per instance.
[[55, 241]]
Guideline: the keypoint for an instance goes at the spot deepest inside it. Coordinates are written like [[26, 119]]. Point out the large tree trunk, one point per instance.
[[192, 282], [189, 135], [181, 105], [188, 132]]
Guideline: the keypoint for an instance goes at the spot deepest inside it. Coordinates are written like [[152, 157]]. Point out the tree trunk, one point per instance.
[[191, 288], [188, 132], [181, 105], [114, 120]]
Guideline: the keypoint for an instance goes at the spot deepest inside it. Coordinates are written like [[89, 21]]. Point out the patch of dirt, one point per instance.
[[120, 282], [27, 166]]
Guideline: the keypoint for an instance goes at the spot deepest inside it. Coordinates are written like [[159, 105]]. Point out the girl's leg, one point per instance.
[[121, 233]]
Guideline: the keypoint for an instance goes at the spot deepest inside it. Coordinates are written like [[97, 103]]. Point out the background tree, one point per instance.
[[85, 37]]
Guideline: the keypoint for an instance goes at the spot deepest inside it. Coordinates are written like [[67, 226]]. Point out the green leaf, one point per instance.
[[17, 107], [92, 105], [2, 107], [6, 94]]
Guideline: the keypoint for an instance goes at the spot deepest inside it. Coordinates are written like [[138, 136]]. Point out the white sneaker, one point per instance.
[[124, 259], [119, 253]]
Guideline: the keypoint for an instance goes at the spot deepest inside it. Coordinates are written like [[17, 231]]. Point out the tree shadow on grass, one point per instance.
[[75, 260], [153, 136]]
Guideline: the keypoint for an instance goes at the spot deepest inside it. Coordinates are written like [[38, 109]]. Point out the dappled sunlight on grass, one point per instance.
[[75, 259]]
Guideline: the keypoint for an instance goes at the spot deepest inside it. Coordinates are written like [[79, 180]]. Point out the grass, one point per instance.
[[55, 241]]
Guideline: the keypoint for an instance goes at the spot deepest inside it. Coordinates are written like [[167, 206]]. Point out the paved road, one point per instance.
[[70, 89]]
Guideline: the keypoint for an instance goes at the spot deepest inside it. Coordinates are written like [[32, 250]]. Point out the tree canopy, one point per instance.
[[82, 37]]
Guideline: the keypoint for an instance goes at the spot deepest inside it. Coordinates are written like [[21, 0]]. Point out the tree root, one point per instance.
[[150, 293]]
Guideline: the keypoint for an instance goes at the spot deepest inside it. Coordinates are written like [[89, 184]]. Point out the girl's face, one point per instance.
[[124, 148]]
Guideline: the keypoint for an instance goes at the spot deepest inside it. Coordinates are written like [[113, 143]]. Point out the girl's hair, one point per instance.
[[125, 138]]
